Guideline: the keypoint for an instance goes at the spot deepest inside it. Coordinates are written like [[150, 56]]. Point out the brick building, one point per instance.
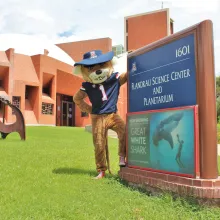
[[143, 29], [78, 48], [37, 75]]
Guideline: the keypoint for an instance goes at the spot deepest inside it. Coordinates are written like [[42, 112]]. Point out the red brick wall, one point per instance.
[[58, 115], [142, 30], [145, 29], [77, 49], [69, 84]]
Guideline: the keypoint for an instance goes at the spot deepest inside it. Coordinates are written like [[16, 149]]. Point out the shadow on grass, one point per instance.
[[73, 171], [93, 173]]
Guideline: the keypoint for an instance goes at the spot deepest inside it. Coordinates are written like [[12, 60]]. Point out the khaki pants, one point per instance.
[[100, 126]]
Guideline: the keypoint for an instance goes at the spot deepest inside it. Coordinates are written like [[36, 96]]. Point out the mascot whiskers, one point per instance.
[[101, 86]]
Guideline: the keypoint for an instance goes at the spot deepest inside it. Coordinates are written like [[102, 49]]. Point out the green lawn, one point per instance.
[[49, 176], [218, 130]]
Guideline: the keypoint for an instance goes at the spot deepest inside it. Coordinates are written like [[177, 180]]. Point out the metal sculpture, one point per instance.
[[18, 126]]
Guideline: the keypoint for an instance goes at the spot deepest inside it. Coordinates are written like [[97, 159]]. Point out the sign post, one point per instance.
[[171, 120], [164, 141]]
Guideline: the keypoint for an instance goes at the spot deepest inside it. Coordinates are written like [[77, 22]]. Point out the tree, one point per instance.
[[218, 97], [217, 86]]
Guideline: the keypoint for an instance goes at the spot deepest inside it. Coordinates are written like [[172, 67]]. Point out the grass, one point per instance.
[[218, 133], [49, 176]]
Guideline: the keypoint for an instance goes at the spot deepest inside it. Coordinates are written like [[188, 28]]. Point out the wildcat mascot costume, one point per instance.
[[101, 86]]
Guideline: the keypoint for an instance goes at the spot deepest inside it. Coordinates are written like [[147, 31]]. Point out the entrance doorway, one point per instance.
[[65, 110], [67, 113]]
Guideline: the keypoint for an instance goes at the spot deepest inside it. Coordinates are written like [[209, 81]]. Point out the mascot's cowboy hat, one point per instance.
[[94, 57]]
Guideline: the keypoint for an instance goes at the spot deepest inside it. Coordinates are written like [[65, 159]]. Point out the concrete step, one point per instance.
[[28, 105], [29, 115]]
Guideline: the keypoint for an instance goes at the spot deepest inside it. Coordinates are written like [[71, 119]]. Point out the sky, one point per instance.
[[73, 20]]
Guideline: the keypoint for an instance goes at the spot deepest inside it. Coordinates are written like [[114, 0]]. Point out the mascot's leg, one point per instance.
[[99, 131], [116, 123]]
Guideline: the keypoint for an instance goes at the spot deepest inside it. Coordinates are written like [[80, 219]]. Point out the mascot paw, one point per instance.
[[100, 175], [122, 161]]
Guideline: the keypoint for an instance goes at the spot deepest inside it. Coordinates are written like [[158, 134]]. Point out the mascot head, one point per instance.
[[96, 67]]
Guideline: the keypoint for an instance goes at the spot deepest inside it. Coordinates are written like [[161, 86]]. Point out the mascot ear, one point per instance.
[[119, 63], [77, 70]]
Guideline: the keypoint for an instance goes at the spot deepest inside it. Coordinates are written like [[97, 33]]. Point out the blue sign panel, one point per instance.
[[164, 77]]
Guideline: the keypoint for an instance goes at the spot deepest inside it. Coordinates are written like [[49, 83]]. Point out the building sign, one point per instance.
[[163, 77], [163, 140]]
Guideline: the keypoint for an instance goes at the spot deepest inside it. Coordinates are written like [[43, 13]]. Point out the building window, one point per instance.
[[84, 114], [118, 49], [16, 101], [46, 90], [47, 109], [1, 107]]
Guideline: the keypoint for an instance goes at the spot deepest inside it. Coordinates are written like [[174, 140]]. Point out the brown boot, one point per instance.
[[100, 175]]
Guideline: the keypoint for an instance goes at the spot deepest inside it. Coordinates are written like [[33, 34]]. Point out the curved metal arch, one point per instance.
[[18, 126]]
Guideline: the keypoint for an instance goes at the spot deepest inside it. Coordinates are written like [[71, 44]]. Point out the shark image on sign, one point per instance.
[[165, 127]]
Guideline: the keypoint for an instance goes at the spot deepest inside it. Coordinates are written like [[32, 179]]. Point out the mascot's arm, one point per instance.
[[79, 100], [123, 78]]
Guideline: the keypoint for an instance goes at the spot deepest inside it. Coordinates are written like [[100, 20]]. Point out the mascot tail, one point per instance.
[[107, 154]]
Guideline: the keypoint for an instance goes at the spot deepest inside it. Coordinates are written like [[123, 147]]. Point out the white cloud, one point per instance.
[[217, 43], [39, 15], [88, 19], [195, 6], [129, 7]]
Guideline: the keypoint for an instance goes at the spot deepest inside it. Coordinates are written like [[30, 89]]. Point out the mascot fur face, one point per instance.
[[99, 73]]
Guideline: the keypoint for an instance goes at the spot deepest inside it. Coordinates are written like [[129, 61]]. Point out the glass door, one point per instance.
[[70, 114], [64, 113], [67, 113]]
